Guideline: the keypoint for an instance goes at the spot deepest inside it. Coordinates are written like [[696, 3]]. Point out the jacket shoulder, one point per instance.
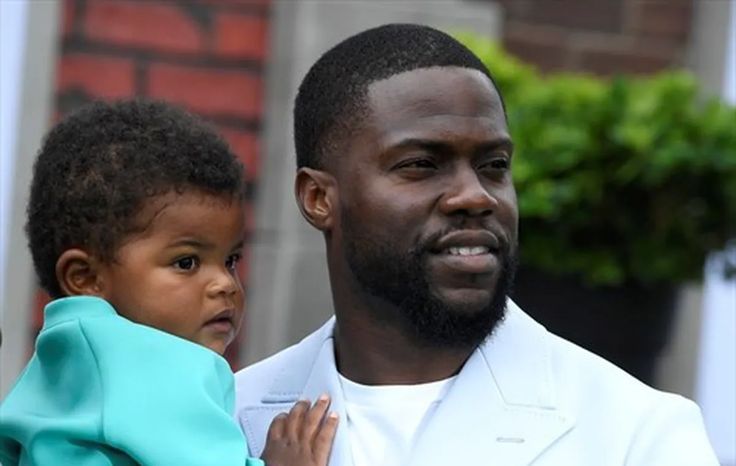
[[657, 427], [630, 419]]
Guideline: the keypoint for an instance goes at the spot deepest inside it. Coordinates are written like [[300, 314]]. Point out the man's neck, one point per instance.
[[374, 353]]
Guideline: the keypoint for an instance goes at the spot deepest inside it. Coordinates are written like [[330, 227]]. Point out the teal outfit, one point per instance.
[[102, 390]]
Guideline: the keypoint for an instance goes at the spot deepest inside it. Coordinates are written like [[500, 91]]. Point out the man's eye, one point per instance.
[[422, 163], [186, 263], [233, 260], [500, 163]]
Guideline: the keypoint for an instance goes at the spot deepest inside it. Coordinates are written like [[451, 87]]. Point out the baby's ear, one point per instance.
[[78, 273]]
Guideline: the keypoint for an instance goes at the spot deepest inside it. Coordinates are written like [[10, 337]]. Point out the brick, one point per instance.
[[513, 9], [547, 58], [67, 20], [96, 76], [162, 26], [671, 19], [663, 47], [208, 91], [240, 36], [622, 61], [238, 3], [245, 146], [598, 15], [544, 47]]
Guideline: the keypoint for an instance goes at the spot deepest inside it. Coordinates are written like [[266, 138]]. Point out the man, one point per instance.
[[404, 164]]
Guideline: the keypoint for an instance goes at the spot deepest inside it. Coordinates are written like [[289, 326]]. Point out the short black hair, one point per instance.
[[332, 96], [98, 166]]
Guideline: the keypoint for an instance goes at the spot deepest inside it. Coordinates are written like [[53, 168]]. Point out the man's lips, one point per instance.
[[467, 243], [485, 263], [468, 251]]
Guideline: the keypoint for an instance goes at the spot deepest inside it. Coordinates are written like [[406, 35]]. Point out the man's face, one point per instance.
[[428, 215]]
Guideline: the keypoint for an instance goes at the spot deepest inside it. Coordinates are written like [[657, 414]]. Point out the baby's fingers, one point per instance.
[[278, 427], [314, 417], [295, 419], [323, 441]]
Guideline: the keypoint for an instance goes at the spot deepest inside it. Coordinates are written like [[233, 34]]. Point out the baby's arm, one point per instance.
[[303, 437]]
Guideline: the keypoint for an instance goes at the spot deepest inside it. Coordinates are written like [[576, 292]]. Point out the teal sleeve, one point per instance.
[[105, 391], [52, 415]]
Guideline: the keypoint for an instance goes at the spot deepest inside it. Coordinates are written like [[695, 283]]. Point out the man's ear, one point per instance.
[[78, 273], [316, 196]]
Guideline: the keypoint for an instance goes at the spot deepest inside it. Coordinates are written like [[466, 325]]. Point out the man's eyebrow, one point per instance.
[[436, 146], [495, 145], [429, 145]]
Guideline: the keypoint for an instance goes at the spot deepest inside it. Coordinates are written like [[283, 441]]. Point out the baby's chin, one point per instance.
[[222, 346], [218, 346], [216, 336]]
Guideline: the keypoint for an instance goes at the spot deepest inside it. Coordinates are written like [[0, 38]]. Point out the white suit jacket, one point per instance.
[[525, 397]]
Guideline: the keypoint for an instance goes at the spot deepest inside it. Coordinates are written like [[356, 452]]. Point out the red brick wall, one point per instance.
[[604, 37], [205, 55]]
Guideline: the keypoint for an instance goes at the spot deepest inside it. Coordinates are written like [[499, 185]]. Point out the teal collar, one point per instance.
[[74, 308]]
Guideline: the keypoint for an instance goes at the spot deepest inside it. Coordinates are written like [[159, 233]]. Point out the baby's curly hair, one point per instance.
[[98, 166]]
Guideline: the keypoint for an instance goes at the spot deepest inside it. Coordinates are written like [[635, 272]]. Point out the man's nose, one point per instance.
[[467, 195]]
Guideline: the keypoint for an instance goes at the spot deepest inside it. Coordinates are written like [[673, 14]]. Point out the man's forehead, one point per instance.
[[427, 92], [420, 81]]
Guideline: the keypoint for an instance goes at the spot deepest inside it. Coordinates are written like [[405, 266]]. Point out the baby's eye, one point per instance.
[[186, 263], [233, 260]]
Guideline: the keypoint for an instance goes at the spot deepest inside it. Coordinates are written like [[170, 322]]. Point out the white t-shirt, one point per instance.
[[383, 420]]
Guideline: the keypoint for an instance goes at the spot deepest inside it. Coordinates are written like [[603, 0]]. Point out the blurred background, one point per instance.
[[621, 110]]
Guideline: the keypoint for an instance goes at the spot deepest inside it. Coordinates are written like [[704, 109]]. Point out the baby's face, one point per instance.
[[179, 275]]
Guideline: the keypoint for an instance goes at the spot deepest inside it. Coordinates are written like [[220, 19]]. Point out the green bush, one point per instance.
[[620, 180]]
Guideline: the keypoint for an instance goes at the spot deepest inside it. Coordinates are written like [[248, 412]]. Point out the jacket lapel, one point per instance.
[[324, 379], [308, 373], [501, 407]]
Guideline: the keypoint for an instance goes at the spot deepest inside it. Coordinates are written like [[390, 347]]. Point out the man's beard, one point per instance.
[[400, 278]]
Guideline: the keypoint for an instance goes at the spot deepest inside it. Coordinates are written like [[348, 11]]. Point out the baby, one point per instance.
[[135, 225]]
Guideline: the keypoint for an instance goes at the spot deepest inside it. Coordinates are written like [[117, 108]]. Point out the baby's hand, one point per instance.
[[303, 437]]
